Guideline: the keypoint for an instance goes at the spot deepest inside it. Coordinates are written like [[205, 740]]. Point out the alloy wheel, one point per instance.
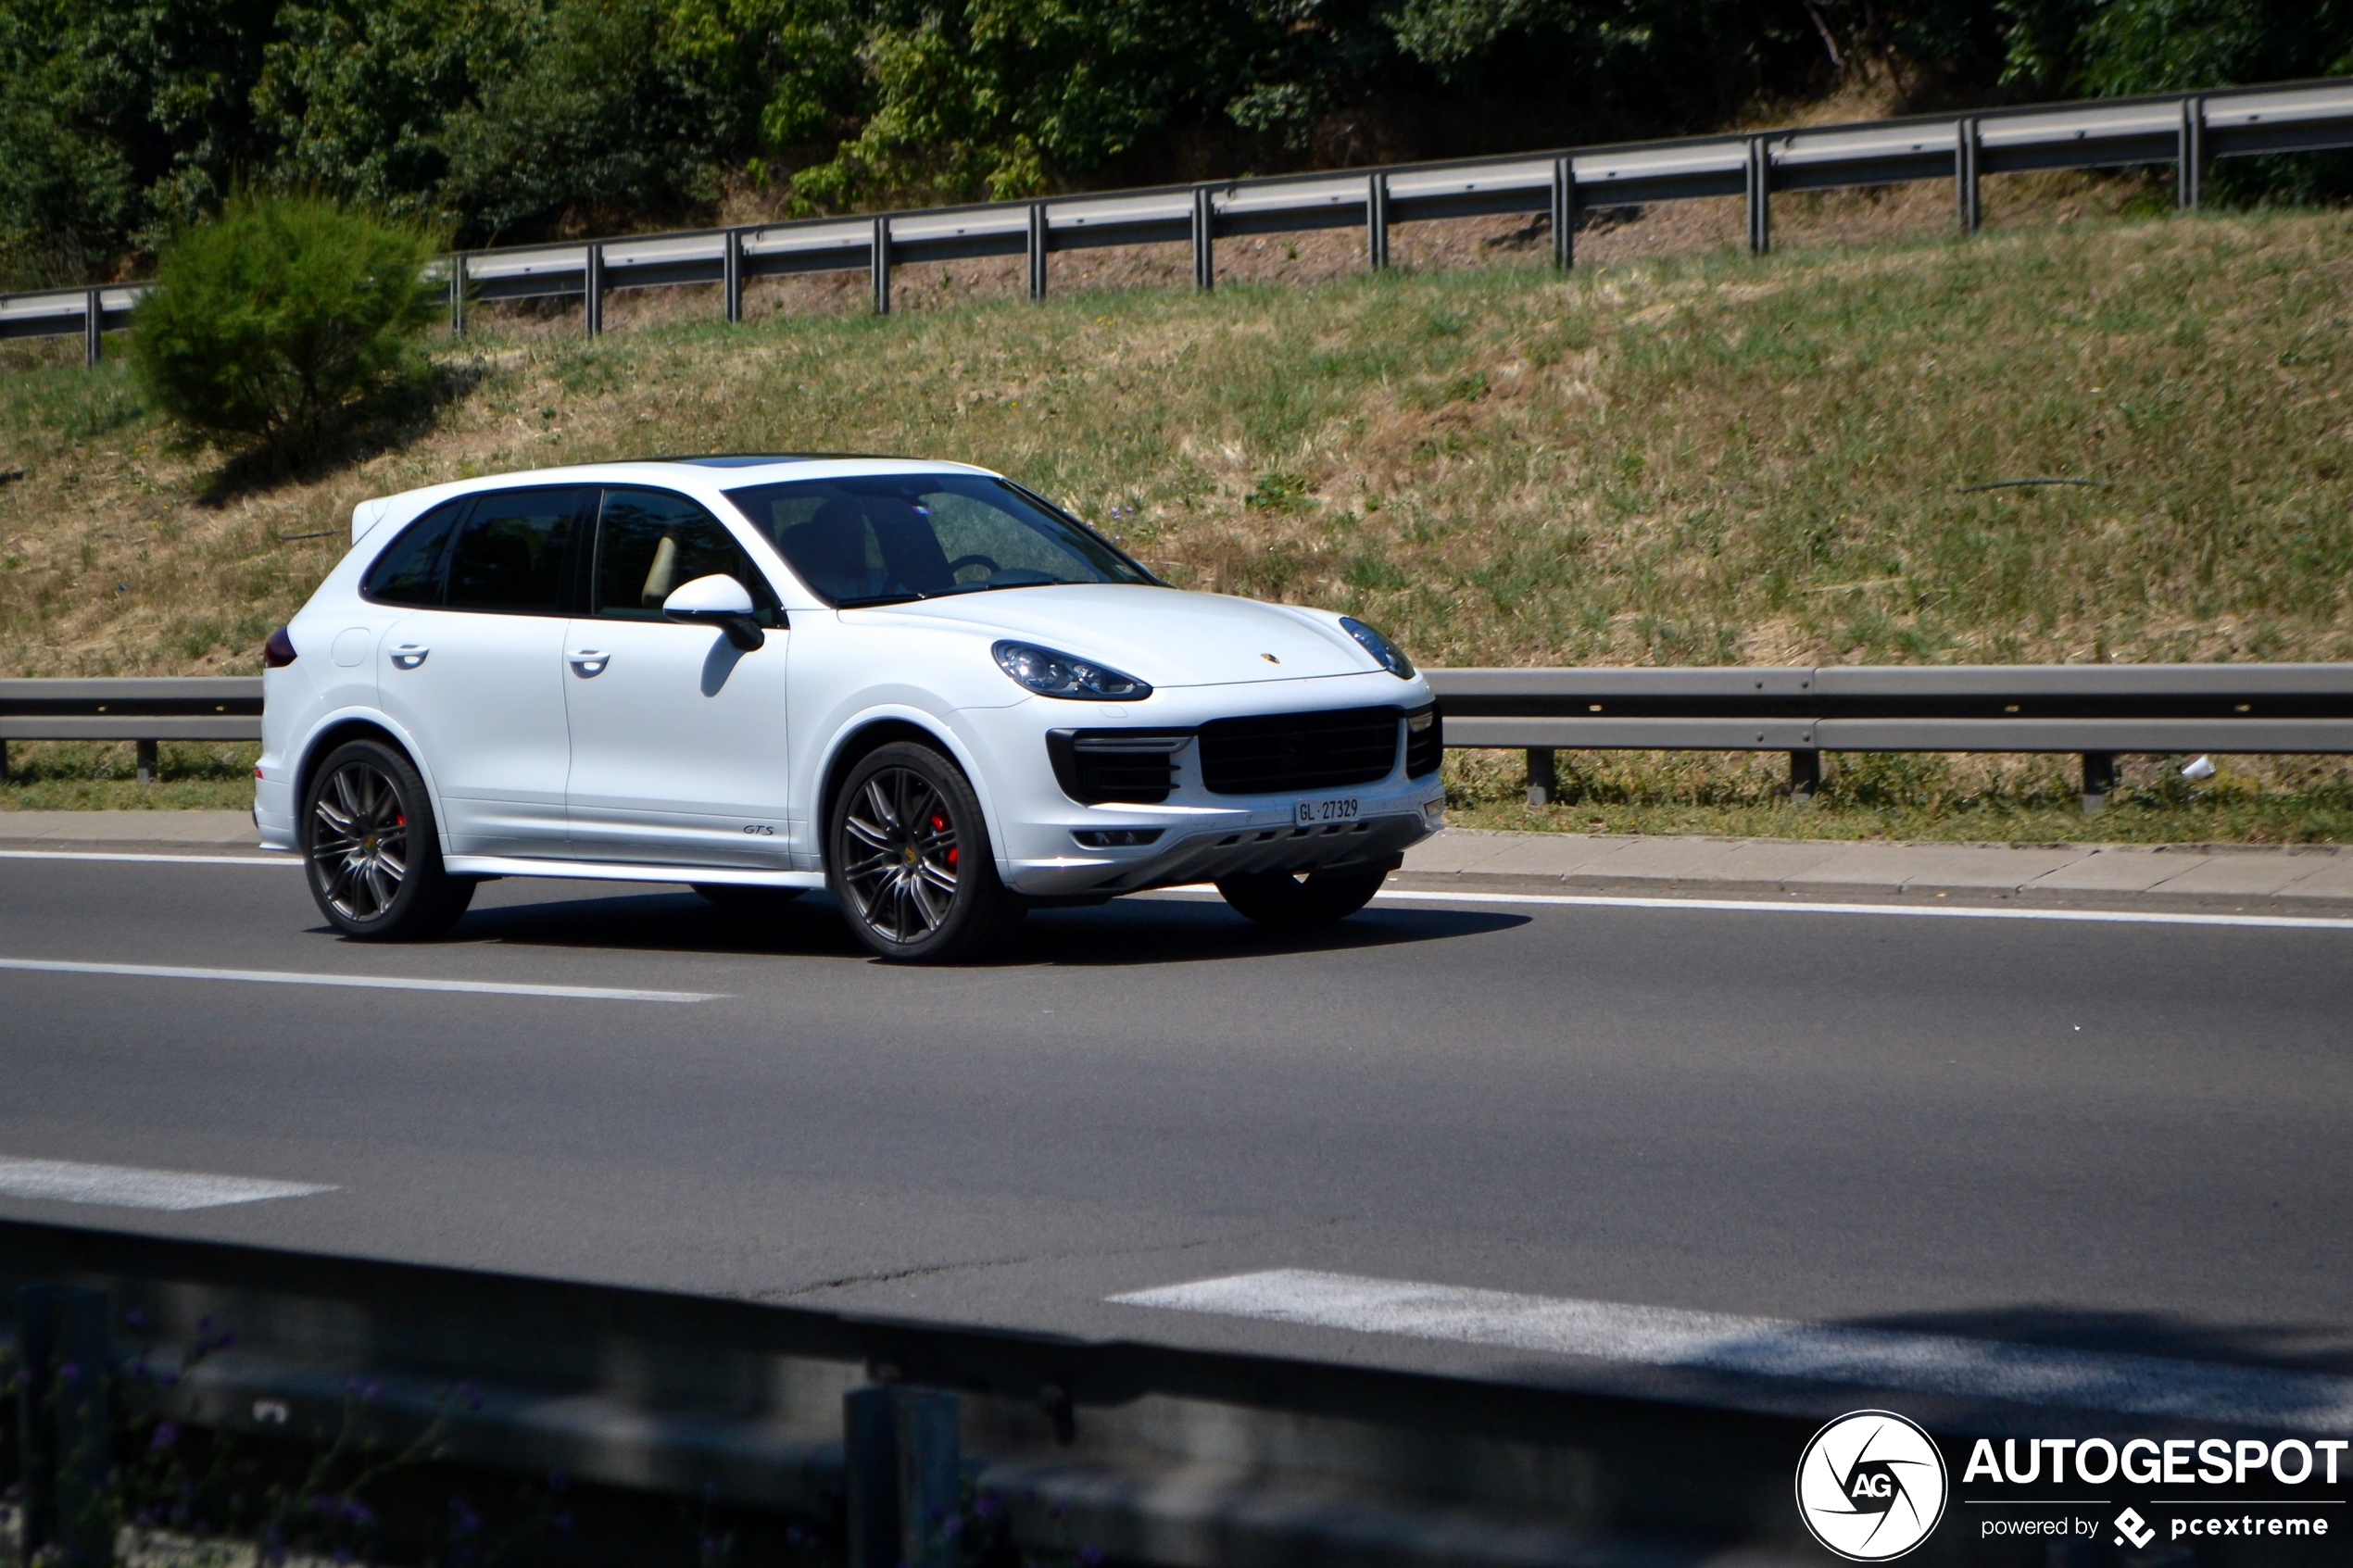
[[903, 879], [360, 841]]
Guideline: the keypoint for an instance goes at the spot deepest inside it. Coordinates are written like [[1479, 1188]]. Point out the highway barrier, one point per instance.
[[2098, 711], [2185, 130]]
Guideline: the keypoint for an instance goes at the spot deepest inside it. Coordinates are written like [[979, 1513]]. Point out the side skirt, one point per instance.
[[599, 871]]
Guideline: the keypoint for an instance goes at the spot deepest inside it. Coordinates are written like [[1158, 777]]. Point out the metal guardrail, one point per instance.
[[2185, 129], [1149, 1452], [2096, 710], [143, 710]]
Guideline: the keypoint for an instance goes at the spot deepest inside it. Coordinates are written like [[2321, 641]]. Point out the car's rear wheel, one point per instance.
[[749, 903], [1294, 900], [372, 850], [907, 854]]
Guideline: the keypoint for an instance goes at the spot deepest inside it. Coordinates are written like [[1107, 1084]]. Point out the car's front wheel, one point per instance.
[[1292, 900], [373, 853], [907, 854]]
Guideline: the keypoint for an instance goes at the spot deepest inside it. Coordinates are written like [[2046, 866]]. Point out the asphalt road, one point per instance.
[[2116, 1137]]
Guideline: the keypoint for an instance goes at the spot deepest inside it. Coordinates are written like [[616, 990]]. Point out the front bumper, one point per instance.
[[1049, 845]]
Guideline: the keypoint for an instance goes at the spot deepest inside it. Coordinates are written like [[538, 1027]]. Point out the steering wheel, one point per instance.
[[962, 561]]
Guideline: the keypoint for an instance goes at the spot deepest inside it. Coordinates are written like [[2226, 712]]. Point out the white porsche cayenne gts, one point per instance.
[[915, 683]]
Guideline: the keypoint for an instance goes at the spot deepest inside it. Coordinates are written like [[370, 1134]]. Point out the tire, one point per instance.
[[907, 854], [748, 903], [371, 850], [1288, 902]]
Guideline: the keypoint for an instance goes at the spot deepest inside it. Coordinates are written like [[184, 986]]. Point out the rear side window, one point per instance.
[[650, 541], [409, 572], [513, 552]]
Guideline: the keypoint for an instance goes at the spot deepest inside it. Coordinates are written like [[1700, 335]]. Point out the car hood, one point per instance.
[[1164, 636]]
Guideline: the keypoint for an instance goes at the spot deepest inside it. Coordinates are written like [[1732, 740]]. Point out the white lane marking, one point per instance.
[[128, 1186], [150, 859], [1665, 1337], [358, 982], [1932, 912]]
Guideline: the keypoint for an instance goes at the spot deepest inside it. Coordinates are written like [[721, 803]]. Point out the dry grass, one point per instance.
[[1678, 453]]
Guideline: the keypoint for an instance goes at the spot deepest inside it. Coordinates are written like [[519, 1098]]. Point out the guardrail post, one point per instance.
[[592, 288], [1037, 250], [1804, 776], [147, 761], [4, 761], [878, 265], [1204, 239], [903, 1461], [2099, 779], [64, 1363], [1376, 222], [929, 1479], [1967, 146], [94, 328], [870, 1470], [1760, 198], [1543, 781], [456, 297], [2189, 174], [1564, 213], [731, 275]]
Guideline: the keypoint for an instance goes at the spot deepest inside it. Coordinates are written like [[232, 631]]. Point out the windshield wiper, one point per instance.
[[872, 600]]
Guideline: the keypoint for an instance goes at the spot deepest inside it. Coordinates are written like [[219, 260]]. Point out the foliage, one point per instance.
[[121, 120], [271, 324]]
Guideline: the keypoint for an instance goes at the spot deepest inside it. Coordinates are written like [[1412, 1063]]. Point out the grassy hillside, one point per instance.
[[1703, 459]]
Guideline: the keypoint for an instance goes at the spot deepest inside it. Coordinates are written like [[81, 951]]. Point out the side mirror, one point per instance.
[[718, 600]]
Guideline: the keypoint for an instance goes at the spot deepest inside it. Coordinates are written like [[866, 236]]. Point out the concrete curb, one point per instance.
[[2284, 879]]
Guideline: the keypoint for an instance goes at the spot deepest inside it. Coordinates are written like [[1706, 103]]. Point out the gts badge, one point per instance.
[[760, 830]]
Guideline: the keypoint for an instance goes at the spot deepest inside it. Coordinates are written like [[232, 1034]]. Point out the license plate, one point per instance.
[[1315, 813]]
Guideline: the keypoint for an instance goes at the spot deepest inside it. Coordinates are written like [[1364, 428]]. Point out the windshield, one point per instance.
[[888, 539]]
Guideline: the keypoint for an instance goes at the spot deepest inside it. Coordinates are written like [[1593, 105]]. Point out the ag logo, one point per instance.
[[1870, 1485]]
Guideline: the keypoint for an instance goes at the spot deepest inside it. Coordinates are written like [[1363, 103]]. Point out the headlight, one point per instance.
[[1059, 674], [1380, 647]]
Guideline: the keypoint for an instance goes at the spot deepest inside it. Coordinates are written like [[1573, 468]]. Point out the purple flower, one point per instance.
[[166, 1435], [69, 1373]]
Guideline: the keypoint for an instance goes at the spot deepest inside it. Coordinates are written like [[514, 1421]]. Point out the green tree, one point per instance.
[[275, 324]]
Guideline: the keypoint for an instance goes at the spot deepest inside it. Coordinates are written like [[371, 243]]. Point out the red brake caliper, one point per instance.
[[939, 824]]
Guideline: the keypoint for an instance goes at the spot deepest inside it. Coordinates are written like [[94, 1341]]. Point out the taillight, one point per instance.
[[279, 652]]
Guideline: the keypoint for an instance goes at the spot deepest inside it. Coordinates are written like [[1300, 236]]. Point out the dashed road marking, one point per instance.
[[1663, 1336], [358, 982], [128, 1186]]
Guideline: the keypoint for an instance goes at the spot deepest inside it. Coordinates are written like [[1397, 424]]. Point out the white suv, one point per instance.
[[915, 683]]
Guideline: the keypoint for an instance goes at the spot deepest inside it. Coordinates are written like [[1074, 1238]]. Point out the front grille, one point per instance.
[[1424, 742], [1126, 767], [1282, 752]]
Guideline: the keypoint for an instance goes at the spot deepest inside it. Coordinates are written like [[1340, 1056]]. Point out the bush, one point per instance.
[[272, 325]]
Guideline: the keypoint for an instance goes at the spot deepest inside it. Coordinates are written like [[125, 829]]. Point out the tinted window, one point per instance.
[[511, 552], [914, 536], [649, 542], [409, 572]]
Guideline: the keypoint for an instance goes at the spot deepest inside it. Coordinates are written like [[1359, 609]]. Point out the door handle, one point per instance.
[[408, 656], [590, 662]]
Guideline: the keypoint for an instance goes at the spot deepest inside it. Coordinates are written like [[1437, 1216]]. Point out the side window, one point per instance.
[[512, 552], [649, 543], [409, 572]]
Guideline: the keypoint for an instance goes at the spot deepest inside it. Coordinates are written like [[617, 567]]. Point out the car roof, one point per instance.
[[752, 467]]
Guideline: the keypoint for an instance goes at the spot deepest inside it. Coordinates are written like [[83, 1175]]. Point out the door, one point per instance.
[[677, 735], [475, 672]]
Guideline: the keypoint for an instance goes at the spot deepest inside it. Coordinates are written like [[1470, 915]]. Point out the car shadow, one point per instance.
[[1125, 932]]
